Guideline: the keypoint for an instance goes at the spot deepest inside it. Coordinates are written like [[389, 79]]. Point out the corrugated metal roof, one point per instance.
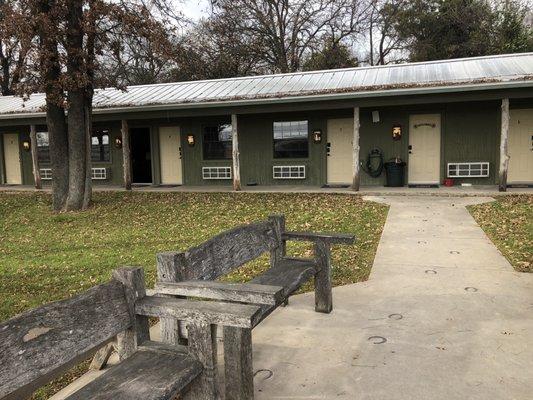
[[454, 75]]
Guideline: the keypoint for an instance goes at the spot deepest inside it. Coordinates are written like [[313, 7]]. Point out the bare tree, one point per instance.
[[384, 43], [282, 33], [70, 39], [14, 47]]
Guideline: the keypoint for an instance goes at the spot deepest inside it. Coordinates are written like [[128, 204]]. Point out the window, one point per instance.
[[288, 171], [216, 172], [100, 150], [217, 142], [43, 147], [291, 139]]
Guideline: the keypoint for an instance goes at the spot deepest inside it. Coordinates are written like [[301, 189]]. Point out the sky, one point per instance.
[[194, 9]]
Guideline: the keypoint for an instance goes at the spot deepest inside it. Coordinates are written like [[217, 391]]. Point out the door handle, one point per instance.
[[410, 148]]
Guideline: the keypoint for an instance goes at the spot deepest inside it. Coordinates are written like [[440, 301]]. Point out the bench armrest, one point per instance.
[[332, 238], [239, 292], [204, 312]]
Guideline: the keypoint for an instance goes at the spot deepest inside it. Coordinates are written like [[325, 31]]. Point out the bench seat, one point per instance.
[[289, 273], [156, 371]]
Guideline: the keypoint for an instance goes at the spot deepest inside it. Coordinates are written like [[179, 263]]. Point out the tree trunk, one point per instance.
[[55, 114], [77, 155], [87, 198], [77, 110]]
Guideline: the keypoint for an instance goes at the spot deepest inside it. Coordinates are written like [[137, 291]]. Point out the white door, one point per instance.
[[170, 154], [340, 154], [12, 159], [520, 146], [424, 149]]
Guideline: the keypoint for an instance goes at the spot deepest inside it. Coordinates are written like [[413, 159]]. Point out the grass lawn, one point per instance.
[[508, 222], [46, 256]]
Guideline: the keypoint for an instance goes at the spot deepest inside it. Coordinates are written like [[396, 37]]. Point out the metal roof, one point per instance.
[[512, 70]]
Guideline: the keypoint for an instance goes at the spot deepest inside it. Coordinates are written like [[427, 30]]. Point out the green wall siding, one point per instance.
[[256, 142], [470, 132]]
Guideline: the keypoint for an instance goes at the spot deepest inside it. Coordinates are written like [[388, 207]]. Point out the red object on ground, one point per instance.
[[448, 182]]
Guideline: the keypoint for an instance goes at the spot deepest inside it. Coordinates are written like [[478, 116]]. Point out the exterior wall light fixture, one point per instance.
[[317, 136], [190, 140], [26, 145], [118, 143], [396, 132]]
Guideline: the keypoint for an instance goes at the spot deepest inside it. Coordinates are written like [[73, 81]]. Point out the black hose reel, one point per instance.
[[374, 163]]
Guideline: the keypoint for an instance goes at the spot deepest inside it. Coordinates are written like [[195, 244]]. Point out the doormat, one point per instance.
[[423, 186], [335, 186], [520, 185]]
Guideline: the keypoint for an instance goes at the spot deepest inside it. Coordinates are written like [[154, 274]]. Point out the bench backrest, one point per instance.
[[40, 344], [229, 250]]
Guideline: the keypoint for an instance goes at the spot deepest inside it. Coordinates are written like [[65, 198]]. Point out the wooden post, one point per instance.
[[126, 154], [504, 155], [238, 363], [355, 181], [170, 268], [133, 280], [34, 157], [323, 286], [235, 153], [279, 252], [203, 345]]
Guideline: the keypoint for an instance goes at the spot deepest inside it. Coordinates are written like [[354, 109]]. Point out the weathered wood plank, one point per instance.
[[333, 238], [171, 267], [239, 292], [238, 364], [229, 250], [101, 357], [278, 252], [134, 288], [323, 285], [203, 346], [126, 154], [41, 343], [35, 158], [356, 150], [235, 153], [155, 372], [504, 146], [199, 312], [290, 273]]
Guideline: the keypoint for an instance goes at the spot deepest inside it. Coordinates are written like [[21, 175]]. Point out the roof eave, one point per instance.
[[299, 99]]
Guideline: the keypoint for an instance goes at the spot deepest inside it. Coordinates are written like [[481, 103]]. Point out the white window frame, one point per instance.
[[278, 171], [453, 169], [217, 173], [97, 174]]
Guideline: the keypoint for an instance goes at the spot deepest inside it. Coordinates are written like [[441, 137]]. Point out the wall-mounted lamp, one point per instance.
[[190, 140], [118, 143], [26, 145], [317, 136], [396, 132], [375, 116]]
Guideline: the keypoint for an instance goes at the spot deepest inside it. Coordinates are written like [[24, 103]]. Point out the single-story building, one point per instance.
[[456, 119]]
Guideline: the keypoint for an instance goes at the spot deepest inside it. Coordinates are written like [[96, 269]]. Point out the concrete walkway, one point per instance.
[[459, 191], [443, 316]]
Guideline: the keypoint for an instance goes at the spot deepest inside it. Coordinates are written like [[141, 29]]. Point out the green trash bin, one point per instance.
[[395, 173]]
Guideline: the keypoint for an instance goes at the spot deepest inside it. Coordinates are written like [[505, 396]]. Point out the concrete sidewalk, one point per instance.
[[443, 316]]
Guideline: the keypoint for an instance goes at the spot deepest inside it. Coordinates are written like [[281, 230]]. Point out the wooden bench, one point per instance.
[[193, 273], [42, 343]]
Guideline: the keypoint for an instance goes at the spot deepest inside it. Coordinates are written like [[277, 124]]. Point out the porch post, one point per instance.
[[355, 181], [504, 156], [126, 154], [34, 158], [235, 153]]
